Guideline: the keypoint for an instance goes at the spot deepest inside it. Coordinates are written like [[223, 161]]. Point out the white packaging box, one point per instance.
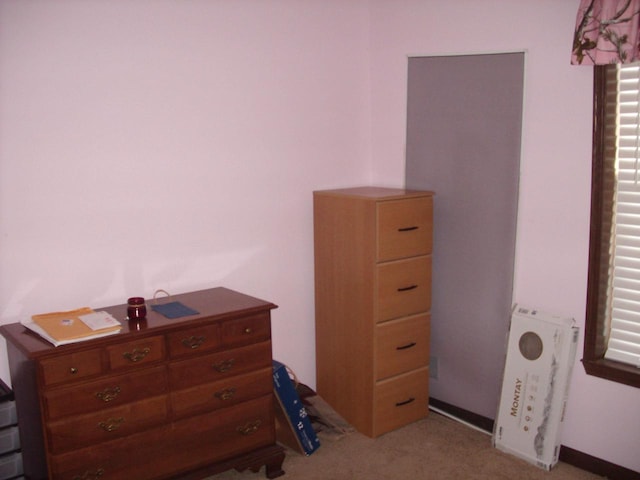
[[541, 351]]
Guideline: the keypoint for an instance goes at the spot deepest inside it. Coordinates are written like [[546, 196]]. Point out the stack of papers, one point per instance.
[[61, 328]]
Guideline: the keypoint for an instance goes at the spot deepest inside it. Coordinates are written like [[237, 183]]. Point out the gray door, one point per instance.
[[464, 120]]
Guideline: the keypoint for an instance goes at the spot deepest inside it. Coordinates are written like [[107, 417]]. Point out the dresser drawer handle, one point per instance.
[[136, 355], [249, 428], [112, 424], [108, 394], [406, 289], [226, 394], [192, 342], [90, 475], [407, 346], [407, 229], [223, 366], [248, 330], [73, 370], [406, 402]]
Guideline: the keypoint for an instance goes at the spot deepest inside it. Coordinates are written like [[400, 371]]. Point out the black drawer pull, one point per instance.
[[407, 229], [406, 402], [406, 289], [408, 345]]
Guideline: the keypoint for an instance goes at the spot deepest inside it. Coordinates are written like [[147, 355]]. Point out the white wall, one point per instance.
[[171, 144], [552, 245]]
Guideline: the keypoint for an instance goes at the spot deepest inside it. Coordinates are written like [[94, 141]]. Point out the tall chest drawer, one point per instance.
[[402, 345], [405, 228], [401, 400], [404, 287]]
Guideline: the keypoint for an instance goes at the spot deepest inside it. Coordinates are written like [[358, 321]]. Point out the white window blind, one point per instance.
[[624, 284]]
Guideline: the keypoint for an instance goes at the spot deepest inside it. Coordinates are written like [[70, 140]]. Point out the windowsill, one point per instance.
[[614, 371]]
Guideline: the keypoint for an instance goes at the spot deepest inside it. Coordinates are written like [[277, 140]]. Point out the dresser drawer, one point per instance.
[[216, 366], [402, 345], [71, 367], [112, 391], [82, 430], [194, 340], [138, 352], [222, 394], [404, 287], [246, 330], [405, 228], [401, 400], [178, 447]]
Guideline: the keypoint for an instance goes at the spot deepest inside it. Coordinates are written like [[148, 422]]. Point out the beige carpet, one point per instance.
[[434, 448]]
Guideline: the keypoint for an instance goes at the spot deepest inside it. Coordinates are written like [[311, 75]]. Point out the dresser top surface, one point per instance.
[[214, 304], [374, 193]]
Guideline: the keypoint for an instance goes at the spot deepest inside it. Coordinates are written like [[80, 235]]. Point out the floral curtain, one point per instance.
[[606, 32]]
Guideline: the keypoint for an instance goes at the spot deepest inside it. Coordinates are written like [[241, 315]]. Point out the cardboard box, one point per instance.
[[541, 351], [293, 426]]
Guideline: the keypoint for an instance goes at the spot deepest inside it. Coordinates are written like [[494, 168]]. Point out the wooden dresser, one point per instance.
[[165, 398], [373, 296]]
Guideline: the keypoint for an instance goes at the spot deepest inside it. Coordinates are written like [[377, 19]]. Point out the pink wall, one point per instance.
[[553, 213], [172, 144], [150, 144]]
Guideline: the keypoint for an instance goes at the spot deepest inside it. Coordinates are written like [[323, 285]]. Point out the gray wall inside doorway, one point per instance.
[[464, 118]]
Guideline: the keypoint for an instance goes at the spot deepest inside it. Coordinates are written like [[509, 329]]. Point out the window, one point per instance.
[[612, 334]]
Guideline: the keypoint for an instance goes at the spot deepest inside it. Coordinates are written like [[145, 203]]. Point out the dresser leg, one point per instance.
[[273, 468], [272, 457]]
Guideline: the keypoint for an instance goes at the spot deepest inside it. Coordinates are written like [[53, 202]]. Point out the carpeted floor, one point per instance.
[[434, 448]]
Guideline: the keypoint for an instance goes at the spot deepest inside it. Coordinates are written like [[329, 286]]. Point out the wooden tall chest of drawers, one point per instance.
[[373, 297], [162, 399]]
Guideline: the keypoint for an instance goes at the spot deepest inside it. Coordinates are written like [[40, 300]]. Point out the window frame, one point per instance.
[[595, 338]]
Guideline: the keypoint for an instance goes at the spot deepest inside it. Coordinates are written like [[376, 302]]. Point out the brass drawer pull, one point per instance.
[[248, 330], [407, 229], [108, 394], [223, 366], [249, 428], [405, 347], [226, 394], [89, 475], [112, 424], [193, 342], [406, 289], [73, 370], [406, 402], [136, 355]]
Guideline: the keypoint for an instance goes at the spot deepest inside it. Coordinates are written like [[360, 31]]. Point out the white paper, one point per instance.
[[99, 320]]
